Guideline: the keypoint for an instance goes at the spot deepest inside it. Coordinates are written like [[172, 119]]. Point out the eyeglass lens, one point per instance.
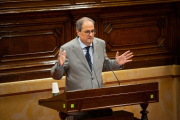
[[88, 32]]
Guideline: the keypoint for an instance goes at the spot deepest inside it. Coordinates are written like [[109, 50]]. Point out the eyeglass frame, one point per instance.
[[87, 32]]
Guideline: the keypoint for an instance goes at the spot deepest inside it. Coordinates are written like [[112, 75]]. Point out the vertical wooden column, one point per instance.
[[144, 112], [62, 115]]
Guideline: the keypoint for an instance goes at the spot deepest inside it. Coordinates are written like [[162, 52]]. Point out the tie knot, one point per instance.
[[87, 48]]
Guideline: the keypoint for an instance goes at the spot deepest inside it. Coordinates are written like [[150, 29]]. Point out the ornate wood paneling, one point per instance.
[[84, 1], [30, 41], [25, 6], [12, 4], [147, 34], [29, 45], [177, 32]]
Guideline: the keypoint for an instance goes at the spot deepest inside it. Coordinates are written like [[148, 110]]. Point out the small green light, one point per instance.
[[64, 106], [72, 105], [152, 96]]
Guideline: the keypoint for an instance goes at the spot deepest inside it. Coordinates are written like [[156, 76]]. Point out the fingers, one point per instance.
[[117, 54], [60, 53], [64, 53], [128, 61], [128, 54], [129, 57], [61, 57]]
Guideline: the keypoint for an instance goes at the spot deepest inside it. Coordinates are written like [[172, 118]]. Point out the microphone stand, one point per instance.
[[113, 71]]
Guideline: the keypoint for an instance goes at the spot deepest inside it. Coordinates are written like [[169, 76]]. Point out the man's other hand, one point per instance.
[[124, 58], [61, 57]]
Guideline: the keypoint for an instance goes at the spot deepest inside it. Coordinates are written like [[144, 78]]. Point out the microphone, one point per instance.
[[113, 71]]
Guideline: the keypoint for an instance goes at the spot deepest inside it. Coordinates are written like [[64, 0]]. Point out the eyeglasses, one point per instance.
[[89, 32]]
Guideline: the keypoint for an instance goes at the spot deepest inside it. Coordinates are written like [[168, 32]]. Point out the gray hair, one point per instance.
[[81, 21]]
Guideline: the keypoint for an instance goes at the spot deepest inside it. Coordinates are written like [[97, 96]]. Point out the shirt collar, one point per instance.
[[82, 44]]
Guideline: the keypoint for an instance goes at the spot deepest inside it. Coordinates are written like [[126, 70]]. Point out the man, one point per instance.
[[84, 58]]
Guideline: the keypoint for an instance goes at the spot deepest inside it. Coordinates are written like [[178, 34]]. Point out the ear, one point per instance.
[[77, 31]]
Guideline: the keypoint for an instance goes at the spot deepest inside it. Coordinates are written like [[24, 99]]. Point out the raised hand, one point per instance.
[[124, 58], [61, 57]]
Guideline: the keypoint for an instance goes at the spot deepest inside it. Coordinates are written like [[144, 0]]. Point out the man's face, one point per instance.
[[86, 38]]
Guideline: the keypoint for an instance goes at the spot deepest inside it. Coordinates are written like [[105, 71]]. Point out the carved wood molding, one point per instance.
[[29, 45], [135, 33], [108, 28], [25, 6]]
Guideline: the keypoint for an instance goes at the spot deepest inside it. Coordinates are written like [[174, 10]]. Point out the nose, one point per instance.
[[91, 33]]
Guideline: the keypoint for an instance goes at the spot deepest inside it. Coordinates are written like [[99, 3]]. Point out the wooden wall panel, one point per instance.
[[31, 44], [26, 6], [104, 1], [11, 4], [30, 41], [84, 1], [25, 45], [126, 34], [147, 34], [177, 46]]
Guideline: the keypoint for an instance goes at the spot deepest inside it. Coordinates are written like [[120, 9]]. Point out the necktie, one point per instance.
[[88, 57]]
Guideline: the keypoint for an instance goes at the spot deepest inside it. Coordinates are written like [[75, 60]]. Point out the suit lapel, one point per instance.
[[78, 51]]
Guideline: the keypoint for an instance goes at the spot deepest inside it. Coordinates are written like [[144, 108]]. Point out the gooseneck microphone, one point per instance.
[[113, 71]]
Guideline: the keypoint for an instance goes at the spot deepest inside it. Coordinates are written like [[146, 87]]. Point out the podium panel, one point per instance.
[[107, 97]]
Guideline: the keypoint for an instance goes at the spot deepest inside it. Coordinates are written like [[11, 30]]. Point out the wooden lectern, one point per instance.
[[107, 97]]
